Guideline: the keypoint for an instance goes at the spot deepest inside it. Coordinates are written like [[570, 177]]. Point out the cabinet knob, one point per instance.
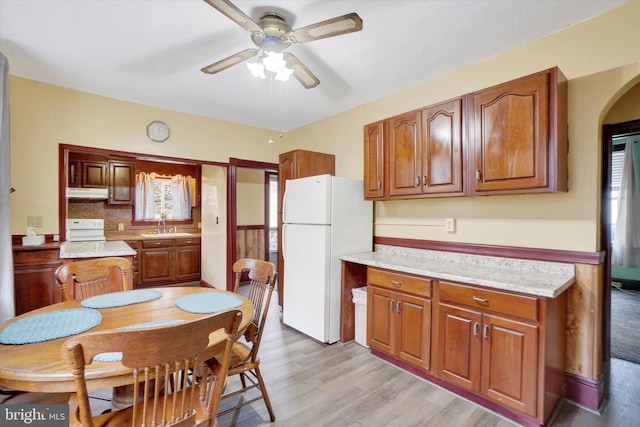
[[478, 175], [396, 283], [391, 305], [485, 332], [475, 329], [398, 306], [417, 181]]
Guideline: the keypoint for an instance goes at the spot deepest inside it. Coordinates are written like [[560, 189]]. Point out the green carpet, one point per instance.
[[625, 325]]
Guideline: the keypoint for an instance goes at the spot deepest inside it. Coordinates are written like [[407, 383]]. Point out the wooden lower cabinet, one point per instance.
[[507, 348], [399, 316], [34, 278], [166, 260]]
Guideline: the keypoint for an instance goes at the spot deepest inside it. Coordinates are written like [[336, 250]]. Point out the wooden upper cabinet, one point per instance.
[[94, 174], [405, 160], [374, 178], [519, 135], [425, 151], [442, 165], [510, 138], [121, 182]]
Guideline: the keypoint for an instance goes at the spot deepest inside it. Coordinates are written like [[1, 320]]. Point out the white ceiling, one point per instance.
[[151, 51]]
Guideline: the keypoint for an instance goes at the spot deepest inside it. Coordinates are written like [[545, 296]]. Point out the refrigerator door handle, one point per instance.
[[284, 240], [284, 207]]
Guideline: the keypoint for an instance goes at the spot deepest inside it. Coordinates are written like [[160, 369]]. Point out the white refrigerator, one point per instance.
[[324, 217]]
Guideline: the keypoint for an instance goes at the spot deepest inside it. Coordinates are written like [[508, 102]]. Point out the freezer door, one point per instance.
[[307, 279], [307, 200]]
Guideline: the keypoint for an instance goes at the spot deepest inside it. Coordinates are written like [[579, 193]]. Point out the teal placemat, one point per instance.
[[50, 326], [118, 299], [116, 356], [208, 302]]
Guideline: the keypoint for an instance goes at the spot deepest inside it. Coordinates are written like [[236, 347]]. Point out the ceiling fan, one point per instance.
[[272, 35]]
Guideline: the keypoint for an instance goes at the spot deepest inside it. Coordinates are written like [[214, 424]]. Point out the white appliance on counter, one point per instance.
[[324, 217], [85, 230]]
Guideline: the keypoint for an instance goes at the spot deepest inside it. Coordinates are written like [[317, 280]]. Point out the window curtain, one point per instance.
[[626, 242], [181, 190], [144, 197], [7, 310]]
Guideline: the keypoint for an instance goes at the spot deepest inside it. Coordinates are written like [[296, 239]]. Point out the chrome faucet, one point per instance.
[[162, 222]]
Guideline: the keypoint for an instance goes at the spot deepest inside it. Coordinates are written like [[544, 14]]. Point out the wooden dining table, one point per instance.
[[39, 367]]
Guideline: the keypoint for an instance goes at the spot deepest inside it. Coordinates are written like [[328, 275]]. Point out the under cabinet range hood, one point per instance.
[[87, 193]]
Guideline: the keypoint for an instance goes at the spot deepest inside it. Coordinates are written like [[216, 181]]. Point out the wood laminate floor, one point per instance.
[[313, 384], [318, 385]]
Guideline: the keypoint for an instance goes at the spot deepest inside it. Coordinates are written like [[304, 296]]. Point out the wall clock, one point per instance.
[[158, 131]]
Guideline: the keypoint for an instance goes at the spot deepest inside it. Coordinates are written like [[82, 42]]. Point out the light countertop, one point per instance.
[[540, 278], [95, 249]]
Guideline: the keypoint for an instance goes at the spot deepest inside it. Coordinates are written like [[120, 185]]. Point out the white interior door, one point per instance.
[[214, 226]]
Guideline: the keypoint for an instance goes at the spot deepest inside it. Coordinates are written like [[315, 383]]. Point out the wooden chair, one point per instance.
[[244, 358], [158, 356], [83, 279]]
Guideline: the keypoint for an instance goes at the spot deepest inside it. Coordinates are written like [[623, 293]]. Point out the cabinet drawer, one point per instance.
[[146, 244], [401, 282], [513, 305], [189, 241], [36, 256]]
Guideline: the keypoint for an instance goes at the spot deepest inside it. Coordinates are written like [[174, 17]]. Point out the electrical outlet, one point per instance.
[[450, 225], [34, 221]]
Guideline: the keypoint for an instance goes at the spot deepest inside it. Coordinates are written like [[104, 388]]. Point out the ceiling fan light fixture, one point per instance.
[[256, 68], [274, 61], [284, 74]]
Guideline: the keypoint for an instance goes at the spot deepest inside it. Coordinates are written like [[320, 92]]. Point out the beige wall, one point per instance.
[[250, 196], [43, 116], [600, 58]]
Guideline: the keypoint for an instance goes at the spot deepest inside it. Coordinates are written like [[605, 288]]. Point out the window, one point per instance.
[[164, 197], [617, 161]]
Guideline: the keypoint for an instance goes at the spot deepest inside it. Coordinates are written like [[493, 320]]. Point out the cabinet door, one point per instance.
[[155, 265], [413, 325], [380, 310], [34, 279], [459, 346], [74, 174], [186, 262], [121, 182], [405, 159], [442, 148], [374, 160], [94, 174], [512, 344], [511, 134]]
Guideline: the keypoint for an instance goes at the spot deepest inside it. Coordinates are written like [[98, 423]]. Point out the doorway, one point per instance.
[[250, 208], [619, 330]]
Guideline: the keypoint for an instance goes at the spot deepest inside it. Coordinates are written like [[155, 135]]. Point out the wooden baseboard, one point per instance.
[[584, 392]]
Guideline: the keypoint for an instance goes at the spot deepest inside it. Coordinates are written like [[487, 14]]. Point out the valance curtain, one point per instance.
[[626, 242], [144, 197], [7, 310], [181, 190]]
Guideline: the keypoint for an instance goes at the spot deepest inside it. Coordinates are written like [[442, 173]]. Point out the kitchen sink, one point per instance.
[[164, 235]]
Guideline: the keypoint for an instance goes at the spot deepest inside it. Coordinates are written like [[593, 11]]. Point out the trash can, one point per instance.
[[360, 301]]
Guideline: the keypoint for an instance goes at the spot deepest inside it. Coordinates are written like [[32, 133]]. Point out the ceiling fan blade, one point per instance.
[[232, 12], [301, 72], [331, 27], [230, 61]]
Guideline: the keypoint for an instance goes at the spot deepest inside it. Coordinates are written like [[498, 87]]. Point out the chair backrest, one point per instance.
[[262, 278], [169, 367], [82, 279]]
